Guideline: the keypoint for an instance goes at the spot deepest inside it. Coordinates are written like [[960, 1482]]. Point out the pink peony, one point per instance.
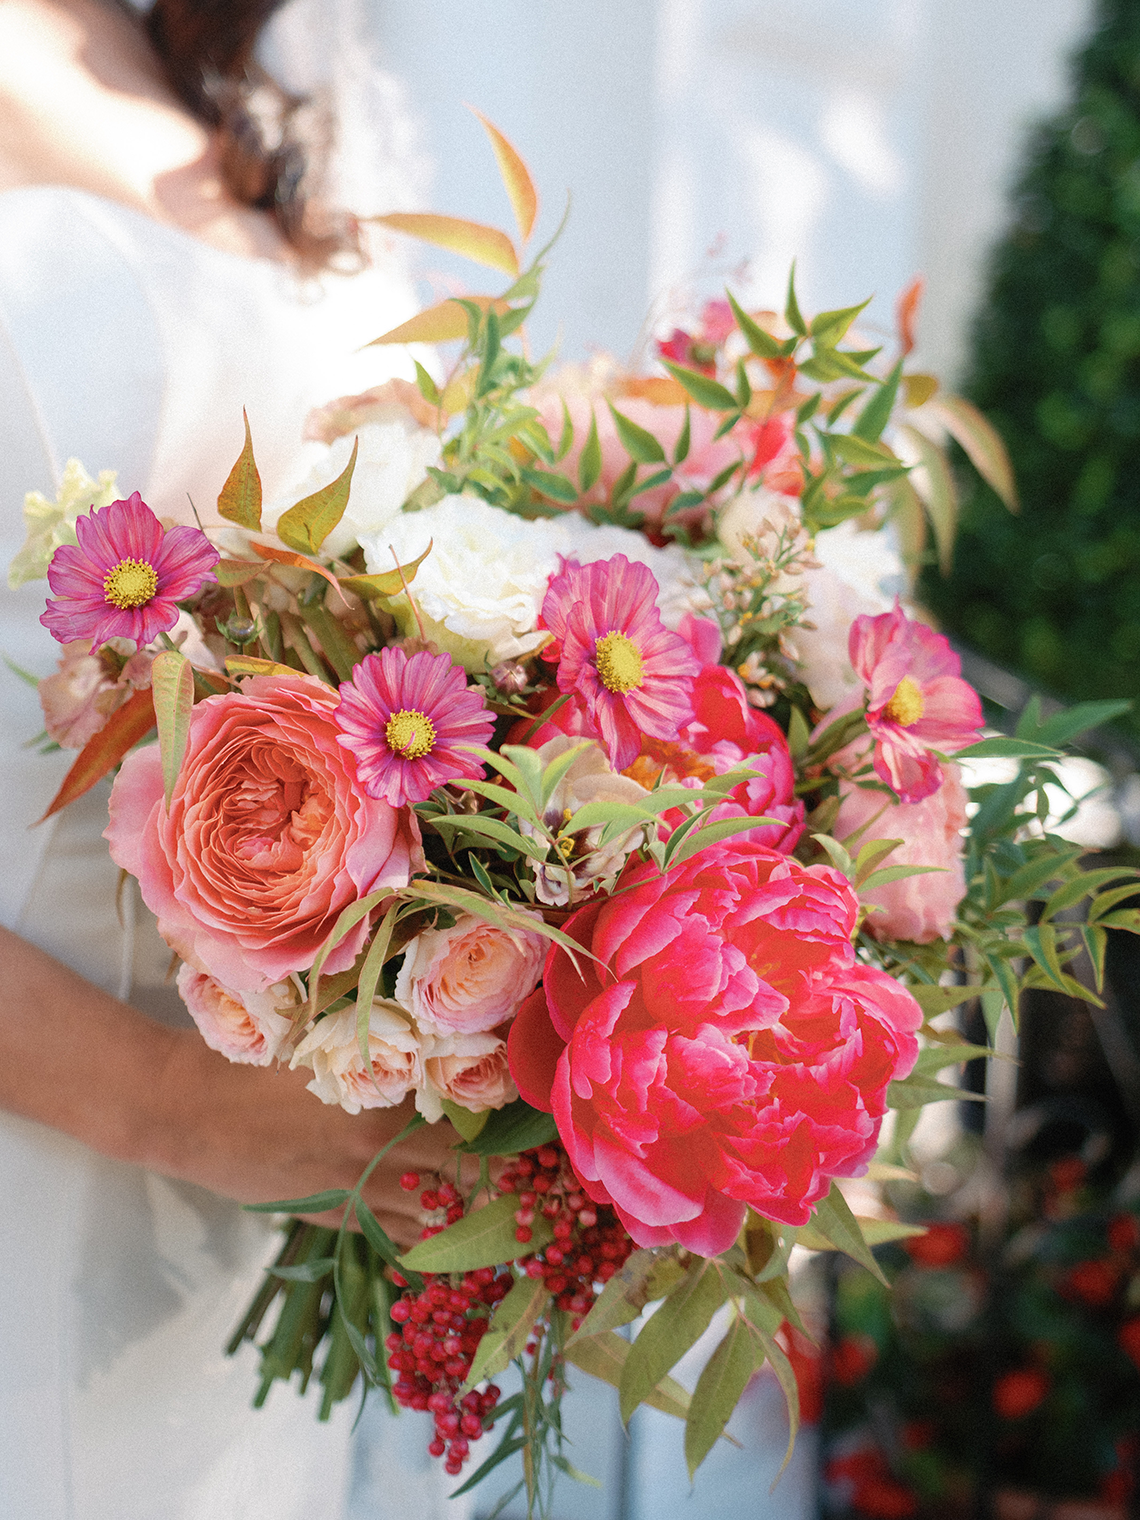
[[125, 576], [88, 687], [247, 1027], [469, 978], [332, 1050], [469, 1070], [268, 837], [917, 908], [732, 1052], [627, 671], [916, 699]]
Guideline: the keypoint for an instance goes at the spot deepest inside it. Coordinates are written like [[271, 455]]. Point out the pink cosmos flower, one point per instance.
[[628, 672], [125, 576], [916, 699], [403, 718], [724, 1047]]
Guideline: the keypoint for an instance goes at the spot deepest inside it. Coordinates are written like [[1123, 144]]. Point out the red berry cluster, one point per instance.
[[441, 1326], [440, 1330], [590, 1242]]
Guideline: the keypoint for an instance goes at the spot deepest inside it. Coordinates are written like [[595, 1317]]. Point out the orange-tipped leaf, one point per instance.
[[438, 324], [103, 751], [516, 177], [474, 240]]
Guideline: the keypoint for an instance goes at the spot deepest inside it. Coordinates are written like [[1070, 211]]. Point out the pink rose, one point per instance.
[[732, 1052], [332, 1050], [469, 1070], [917, 908], [268, 837], [468, 978], [248, 1027], [87, 688]]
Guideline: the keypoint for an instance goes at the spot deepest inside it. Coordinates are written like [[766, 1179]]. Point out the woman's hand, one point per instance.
[[77, 1059]]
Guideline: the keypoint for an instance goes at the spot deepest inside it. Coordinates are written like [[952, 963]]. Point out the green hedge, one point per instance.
[[1055, 592]]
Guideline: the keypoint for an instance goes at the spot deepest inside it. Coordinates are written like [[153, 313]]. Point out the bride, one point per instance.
[[159, 269]]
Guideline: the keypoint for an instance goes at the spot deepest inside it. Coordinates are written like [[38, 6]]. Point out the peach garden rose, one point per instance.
[[468, 978], [268, 837]]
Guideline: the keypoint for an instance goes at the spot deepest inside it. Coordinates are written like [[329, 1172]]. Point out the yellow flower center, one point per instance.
[[618, 662], [906, 706], [132, 583], [410, 734]]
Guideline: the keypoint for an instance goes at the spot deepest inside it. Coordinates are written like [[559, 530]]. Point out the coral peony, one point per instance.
[[246, 1027], [631, 675], [125, 575], [268, 837], [406, 719], [916, 699], [725, 1047], [470, 977], [918, 908]]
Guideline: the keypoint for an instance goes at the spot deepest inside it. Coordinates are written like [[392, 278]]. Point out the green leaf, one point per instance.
[[306, 526], [375, 1233], [792, 314], [1030, 878], [684, 440], [385, 583], [489, 828], [313, 1203], [1006, 749], [1042, 942], [427, 386], [897, 873], [853, 450], [1095, 941], [870, 853], [370, 972], [1124, 918], [172, 685], [305, 1271], [1085, 884], [483, 1238], [1064, 726], [705, 834], [833, 1218], [954, 1053], [830, 327], [706, 392], [645, 1277], [786, 1377], [678, 1324], [590, 459], [876, 414], [606, 1357], [514, 1128], [743, 386], [557, 487], [638, 442], [917, 1090], [718, 1391], [840, 859], [510, 1329], [1006, 978], [463, 1121], [240, 499], [762, 343], [935, 1000]]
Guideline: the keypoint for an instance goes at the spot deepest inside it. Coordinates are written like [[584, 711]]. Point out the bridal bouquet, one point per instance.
[[557, 761]]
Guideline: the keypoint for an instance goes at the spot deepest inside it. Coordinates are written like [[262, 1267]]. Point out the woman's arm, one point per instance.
[[76, 1059]]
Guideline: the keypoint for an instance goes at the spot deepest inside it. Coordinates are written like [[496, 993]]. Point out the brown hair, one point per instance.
[[269, 149]]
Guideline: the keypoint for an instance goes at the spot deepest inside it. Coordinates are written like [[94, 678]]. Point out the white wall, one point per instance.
[[872, 140]]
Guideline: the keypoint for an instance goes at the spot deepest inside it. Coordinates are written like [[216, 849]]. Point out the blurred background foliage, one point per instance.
[[1054, 592]]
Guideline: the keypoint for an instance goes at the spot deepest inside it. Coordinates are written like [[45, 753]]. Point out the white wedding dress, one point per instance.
[[131, 345]]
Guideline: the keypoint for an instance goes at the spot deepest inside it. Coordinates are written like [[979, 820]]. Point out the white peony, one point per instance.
[[392, 460], [860, 574], [480, 590]]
